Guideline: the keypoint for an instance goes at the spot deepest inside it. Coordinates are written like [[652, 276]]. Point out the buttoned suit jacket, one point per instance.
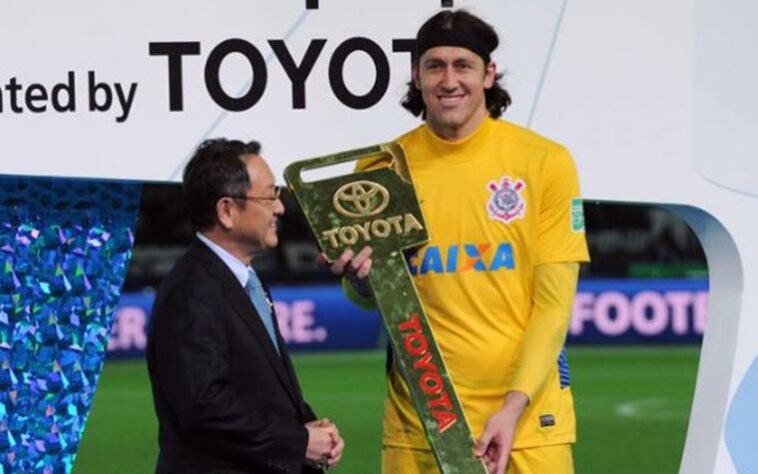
[[226, 402]]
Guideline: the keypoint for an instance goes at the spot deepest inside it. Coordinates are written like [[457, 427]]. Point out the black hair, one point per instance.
[[496, 97], [215, 170]]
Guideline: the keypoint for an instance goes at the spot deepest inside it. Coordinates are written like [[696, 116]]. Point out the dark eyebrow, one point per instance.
[[435, 61]]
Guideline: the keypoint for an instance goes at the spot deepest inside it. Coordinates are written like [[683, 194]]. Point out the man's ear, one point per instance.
[[226, 211], [415, 76], [490, 73]]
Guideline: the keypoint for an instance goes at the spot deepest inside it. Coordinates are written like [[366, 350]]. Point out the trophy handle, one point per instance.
[[389, 155]]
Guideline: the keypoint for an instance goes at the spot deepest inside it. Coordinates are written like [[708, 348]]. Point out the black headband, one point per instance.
[[445, 37]]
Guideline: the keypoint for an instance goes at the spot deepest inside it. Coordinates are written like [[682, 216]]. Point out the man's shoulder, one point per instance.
[[190, 272], [373, 163], [410, 135], [509, 131], [501, 130]]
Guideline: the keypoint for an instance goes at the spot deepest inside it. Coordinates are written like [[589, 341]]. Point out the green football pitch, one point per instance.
[[632, 407]]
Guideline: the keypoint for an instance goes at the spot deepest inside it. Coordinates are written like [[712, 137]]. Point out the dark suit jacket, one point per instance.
[[226, 401]]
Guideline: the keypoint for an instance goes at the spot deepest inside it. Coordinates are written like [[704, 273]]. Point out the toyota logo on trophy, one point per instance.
[[361, 199], [378, 207]]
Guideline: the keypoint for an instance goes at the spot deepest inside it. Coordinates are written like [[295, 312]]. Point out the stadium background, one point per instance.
[[654, 99], [633, 344]]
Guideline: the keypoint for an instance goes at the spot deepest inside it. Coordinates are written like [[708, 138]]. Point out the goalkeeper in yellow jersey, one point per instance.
[[498, 278]]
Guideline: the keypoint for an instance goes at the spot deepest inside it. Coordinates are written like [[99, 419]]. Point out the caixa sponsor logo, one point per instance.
[[461, 258]]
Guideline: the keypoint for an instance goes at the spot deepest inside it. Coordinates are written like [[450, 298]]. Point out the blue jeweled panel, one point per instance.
[[64, 248]]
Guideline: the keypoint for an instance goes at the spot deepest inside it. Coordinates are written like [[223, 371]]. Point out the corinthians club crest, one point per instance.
[[506, 203]]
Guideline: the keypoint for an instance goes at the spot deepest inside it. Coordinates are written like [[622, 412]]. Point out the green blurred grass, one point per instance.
[[632, 408]]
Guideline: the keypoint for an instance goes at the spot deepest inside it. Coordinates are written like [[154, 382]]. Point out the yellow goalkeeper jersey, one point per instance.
[[496, 203]]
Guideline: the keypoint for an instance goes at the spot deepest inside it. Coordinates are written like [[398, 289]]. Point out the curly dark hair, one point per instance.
[[214, 171], [496, 98]]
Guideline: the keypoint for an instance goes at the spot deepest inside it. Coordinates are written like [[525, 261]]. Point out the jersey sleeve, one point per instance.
[[554, 289], [560, 223]]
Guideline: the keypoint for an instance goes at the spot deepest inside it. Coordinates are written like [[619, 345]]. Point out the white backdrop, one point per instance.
[[152, 142], [656, 100]]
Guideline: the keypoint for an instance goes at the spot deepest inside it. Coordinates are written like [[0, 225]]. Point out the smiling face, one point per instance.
[[452, 81]]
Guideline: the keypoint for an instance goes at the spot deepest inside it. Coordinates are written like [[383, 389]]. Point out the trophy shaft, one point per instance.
[[420, 362]]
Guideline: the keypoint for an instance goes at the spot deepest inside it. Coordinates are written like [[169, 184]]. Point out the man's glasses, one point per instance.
[[277, 195]]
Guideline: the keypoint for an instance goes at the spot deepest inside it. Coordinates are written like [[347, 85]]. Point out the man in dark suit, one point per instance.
[[225, 392]]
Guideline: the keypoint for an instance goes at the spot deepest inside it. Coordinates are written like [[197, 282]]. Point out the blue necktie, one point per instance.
[[258, 297]]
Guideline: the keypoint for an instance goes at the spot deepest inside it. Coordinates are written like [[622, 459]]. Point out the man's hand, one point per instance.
[[319, 443], [325, 445], [494, 446], [355, 270], [338, 444], [349, 264]]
